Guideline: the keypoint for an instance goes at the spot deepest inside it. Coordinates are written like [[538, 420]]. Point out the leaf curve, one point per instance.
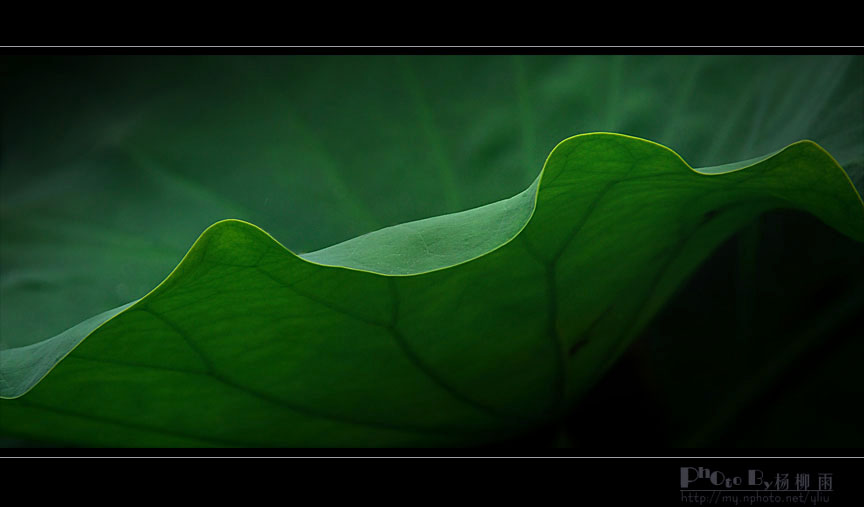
[[592, 249]]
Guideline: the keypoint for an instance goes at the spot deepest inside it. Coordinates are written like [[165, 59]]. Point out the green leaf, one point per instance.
[[248, 344], [110, 166]]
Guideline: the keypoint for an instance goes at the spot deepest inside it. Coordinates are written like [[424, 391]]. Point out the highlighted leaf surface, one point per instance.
[[454, 330]]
